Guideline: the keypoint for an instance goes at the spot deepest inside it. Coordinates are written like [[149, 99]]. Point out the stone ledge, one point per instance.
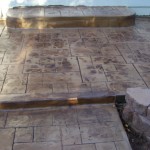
[[55, 17], [139, 100]]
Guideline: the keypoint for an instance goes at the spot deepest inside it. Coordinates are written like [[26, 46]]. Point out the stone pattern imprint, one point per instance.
[[68, 11], [81, 61], [82, 127]]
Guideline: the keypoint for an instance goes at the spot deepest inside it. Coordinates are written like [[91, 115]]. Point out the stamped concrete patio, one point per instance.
[[84, 127], [68, 63], [77, 65]]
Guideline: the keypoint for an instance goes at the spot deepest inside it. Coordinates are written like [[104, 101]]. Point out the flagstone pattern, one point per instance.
[[79, 61], [82, 127]]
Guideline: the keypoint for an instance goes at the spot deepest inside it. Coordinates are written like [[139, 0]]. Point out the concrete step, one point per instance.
[[69, 16], [16, 101]]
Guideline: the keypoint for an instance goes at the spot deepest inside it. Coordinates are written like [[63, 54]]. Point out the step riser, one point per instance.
[[68, 16], [65, 102], [71, 22]]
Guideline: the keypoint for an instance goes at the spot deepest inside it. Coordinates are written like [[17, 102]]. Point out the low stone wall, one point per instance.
[[137, 111]]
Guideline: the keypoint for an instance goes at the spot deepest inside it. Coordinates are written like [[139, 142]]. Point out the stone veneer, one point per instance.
[[137, 110]]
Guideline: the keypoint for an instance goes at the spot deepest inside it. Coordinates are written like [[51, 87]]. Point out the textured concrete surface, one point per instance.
[[70, 63], [82, 127], [69, 16], [57, 11]]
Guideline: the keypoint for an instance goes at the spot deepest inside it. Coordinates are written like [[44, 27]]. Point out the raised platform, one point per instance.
[[72, 66], [68, 16]]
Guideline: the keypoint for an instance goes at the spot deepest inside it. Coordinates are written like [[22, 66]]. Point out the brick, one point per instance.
[[6, 138], [45, 134]]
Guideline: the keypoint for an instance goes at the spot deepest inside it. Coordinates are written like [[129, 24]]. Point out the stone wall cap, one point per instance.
[[141, 95]]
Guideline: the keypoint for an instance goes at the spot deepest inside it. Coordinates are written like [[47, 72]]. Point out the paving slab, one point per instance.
[[6, 138], [24, 135], [71, 135], [45, 134], [28, 118], [38, 146], [104, 146], [80, 127]]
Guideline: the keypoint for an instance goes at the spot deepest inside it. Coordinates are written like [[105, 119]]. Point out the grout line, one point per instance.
[[6, 120], [13, 139], [23, 44], [115, 145], [80, 69], [33, 131], [95, 146], [3, 57], [121, 53], [4, 80], [61, 135], [69, 48], [27, 83], [140, 75], [79, 30], [68, 88], [82, 11], [2, 30], [78, 124]]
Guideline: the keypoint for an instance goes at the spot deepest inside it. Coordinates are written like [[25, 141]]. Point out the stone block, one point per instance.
[[6, 138], [46, 134], [141, 124], [138, 99], [24, 135], [70, 135], [127, 114], [137, 111], [93, 133], [148, 111]]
